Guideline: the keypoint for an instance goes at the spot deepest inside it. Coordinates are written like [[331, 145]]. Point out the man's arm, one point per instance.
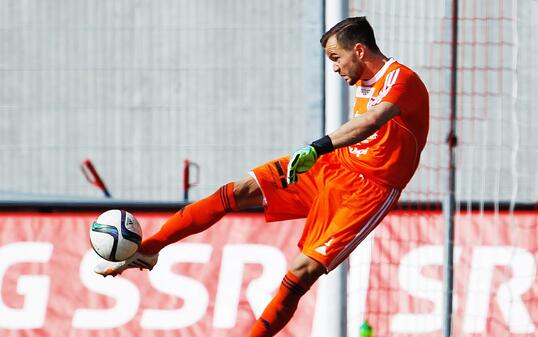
[[362, 126], [352, 132]]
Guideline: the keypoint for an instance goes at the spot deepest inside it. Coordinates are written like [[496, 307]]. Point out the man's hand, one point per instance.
[[301, 161]]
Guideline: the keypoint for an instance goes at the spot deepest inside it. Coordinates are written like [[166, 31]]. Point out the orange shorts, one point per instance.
[[341, 207]]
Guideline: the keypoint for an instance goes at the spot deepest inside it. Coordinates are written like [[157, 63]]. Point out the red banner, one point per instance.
[[495, 285], [216, 283], [211, 284]]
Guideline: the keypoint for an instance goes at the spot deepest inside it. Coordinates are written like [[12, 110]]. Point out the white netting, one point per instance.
[[496, 175]]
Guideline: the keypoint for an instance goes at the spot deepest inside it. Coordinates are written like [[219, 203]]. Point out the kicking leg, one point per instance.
[[202, 214], [193, 218], [304, 271]]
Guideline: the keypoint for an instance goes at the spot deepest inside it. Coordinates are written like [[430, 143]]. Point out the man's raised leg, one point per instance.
[[193, 218], [202, 214]]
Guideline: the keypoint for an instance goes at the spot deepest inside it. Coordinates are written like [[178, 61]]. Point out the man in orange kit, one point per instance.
[[344, 183]]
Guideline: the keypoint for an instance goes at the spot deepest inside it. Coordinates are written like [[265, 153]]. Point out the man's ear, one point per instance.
[[359, 49]]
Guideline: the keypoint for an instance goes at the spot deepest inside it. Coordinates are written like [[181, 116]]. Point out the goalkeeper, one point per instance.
[[344, 183]]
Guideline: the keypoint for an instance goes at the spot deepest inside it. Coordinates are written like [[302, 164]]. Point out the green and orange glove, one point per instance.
[[304, 158], [301, 161]]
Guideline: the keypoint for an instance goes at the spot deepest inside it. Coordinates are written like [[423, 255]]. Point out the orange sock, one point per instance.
[[192, 219], [281, 309]]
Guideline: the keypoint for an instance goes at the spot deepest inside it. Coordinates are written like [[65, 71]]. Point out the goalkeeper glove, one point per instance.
[[301, 161], [304, 158]]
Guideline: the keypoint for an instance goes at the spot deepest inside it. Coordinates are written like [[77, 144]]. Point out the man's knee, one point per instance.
[[247, 194], [307, 269]]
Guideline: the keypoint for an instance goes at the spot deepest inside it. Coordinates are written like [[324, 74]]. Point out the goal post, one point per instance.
[[331, 310]]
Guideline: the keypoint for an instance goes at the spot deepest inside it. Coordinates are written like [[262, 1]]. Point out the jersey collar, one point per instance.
[[380, 73]]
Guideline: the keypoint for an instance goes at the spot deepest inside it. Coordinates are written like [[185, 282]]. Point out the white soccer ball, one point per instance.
[[115, 235]]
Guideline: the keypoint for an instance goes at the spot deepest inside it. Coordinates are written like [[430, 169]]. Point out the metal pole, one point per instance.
[[336, 89], [449, 207], [336, 114]]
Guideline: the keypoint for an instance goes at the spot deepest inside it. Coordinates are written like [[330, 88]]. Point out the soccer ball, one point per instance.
[[115, 235]]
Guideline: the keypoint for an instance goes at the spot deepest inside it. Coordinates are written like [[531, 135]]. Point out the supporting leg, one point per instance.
[[303, 273]]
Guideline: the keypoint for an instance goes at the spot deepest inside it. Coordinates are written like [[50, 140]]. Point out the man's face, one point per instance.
[[345, 62]]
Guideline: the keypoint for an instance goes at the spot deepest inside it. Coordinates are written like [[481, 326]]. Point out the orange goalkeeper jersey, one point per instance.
[[392, 153]]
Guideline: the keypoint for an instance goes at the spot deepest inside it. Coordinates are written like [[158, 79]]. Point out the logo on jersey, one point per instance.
[[364, 92], [361, 148], [323, 249]]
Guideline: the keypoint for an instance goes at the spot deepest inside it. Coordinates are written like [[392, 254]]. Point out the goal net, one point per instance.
[[396, 276]]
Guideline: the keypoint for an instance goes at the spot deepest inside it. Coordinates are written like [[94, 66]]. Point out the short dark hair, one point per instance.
[[351, 31]]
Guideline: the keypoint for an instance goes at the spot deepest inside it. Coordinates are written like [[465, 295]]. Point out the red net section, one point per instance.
[[397, 274]]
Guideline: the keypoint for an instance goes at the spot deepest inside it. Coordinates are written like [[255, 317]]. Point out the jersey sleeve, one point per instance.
[[404, 89]]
